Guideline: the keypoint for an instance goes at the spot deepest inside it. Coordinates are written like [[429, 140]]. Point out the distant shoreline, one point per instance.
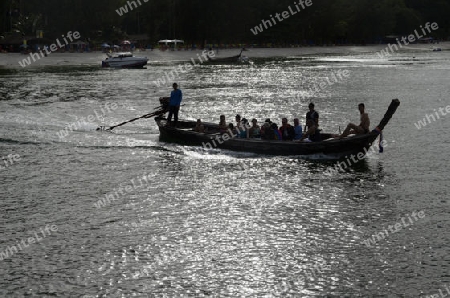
[[10, 60]]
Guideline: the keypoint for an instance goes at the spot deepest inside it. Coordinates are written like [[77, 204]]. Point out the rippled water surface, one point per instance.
[[184, 221]]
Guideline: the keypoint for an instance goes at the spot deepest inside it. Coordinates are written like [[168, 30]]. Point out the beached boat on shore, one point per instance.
[[229, 60], [334, 148]]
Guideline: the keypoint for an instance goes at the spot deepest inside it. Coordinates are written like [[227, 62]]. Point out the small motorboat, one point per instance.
[[124, 60]]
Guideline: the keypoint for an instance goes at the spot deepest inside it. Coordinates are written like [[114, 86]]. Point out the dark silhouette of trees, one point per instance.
[[326, 21]]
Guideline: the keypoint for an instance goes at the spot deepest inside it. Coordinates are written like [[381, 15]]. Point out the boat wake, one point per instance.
[[202, 153]]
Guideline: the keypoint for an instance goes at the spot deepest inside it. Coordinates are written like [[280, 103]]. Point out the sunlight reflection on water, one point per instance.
[[215, 222]]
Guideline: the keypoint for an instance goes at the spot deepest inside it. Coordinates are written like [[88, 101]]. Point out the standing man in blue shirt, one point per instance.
[[176, 96]]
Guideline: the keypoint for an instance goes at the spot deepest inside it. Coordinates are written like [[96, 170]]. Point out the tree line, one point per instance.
[[231, 21]]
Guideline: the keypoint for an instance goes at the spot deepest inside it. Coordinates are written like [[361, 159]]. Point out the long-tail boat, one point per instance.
[[334, 148], [225, 60]]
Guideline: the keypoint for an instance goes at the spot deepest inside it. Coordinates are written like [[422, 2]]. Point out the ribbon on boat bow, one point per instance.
[[380, 142]]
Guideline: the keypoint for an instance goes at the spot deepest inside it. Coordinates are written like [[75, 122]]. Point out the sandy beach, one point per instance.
[[11, 60]]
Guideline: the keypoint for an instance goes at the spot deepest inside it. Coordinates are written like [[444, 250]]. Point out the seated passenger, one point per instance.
[[199, 127], [231, 130], [255, 130], [276, 131], [286, 130], [297, 129], [313, 133], [243, 130], [362, 128], [263, 128], [238, 122], [223, 127]]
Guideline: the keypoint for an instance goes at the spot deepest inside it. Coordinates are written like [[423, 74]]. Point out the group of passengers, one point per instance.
[[271, 131], [286, 132]]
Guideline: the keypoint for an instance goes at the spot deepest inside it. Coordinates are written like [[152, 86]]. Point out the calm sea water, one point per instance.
[[188, 222]]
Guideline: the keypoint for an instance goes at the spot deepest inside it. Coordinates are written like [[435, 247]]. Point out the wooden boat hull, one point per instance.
[[228, 60], [138, 63], [332, 148], [225, 60]]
